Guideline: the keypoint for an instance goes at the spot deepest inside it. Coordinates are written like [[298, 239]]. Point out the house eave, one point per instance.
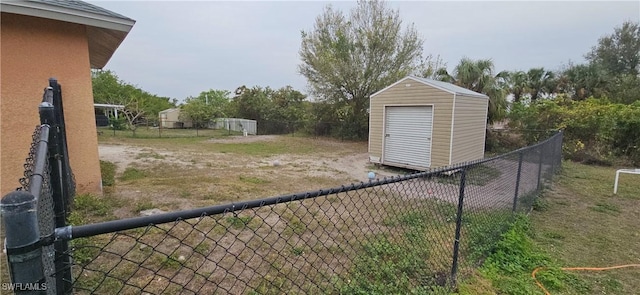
[[104, 33]]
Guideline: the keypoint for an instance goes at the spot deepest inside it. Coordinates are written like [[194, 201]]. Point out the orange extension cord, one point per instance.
[[533, 274]]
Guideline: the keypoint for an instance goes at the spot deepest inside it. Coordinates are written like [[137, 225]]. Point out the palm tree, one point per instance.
[[540, 82], [477, 75], [515, 83], [583, 81]]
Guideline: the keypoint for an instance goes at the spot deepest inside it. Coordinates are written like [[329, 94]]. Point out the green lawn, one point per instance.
[[586, 225], [579, 222]]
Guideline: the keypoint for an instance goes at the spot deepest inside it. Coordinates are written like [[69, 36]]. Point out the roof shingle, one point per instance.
[[81, 6]]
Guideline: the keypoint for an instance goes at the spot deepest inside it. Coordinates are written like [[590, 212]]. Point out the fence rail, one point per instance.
[[153, 128], [419, 232]]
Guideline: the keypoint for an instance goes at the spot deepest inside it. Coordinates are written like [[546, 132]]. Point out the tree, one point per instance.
[[252, 103], [477, 75], [276, 110], [616, 59], [515, 82], [540, 82], [346, 58], [138, 104], [619, 53], [205, 107], [430, 66], [583, 81]]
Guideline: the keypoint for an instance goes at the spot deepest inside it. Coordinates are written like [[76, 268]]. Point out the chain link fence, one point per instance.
[[37, 261], [416, 233], [178, 129], [413, 233]]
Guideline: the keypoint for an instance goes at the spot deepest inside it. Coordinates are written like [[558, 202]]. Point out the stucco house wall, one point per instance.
[[44, 39], [33, 50]]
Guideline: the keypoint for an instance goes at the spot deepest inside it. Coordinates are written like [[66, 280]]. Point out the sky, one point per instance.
[[178, 49]]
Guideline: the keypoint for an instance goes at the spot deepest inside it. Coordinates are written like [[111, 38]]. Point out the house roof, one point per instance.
[[105, 29], [444, 86]]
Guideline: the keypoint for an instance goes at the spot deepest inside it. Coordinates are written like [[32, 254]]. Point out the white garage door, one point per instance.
[[407, 139]]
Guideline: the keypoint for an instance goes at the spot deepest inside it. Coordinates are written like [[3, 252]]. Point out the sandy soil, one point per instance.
[[343, 168], [353, 167]]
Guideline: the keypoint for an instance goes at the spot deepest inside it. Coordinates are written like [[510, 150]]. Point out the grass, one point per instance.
[[253, 180], [132, 174], [151, 132], [238, 222], [515, 256], [196, 172], [398, 264], [578, 223], [586, 225], [88, 208], [108, 172]]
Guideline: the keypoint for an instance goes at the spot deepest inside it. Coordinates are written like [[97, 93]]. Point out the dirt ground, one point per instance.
[[352, 167], [236, 177], [178, 172]]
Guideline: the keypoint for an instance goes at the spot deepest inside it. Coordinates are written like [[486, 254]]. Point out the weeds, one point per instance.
[[238, 222], [132, 174], [515, 256], [142, 205], [108, 172], [388, 266], [88, 207]]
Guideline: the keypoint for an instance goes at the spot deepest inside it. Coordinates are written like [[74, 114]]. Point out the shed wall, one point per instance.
[[469, 128], [415, 94]]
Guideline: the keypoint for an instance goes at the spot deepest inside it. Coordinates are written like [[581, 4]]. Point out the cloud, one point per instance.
[[178, 49]]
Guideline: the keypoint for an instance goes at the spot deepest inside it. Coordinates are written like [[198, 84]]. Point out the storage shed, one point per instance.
[[420, 123], [170, 118]]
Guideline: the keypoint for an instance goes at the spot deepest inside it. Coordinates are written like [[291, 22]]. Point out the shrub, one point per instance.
[[596, 130], [118, 123]]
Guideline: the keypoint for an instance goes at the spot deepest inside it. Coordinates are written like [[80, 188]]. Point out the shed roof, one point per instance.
[[169, 110], [108, 106], [105, 29], [444, 86]]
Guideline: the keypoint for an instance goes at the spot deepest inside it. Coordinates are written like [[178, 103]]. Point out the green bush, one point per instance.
[[596, 130], [108, 172], [118, 123]]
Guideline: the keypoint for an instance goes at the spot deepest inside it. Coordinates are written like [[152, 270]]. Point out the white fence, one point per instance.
[[235, 124]]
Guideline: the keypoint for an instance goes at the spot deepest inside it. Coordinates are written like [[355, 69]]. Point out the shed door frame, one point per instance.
[[384, 127]]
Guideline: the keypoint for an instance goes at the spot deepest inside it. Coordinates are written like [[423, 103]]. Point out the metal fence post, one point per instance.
[[557, 152], [515, 195], [61, 187], [552, 147], [22, 240], [456, 244]]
